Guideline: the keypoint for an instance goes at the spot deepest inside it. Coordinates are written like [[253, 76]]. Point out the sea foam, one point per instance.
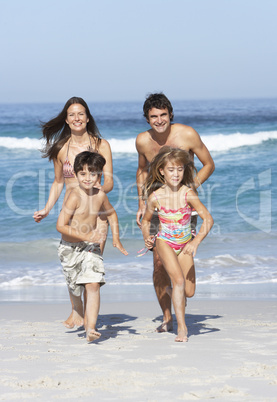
[[217, 142]]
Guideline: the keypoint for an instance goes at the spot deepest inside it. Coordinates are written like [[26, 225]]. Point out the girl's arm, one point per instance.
[[206, 226], [65, 227], [105, 151], [55, 192], [113, 221], [146, 222]]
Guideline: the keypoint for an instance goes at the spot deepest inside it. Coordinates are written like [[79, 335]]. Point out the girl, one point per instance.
[[72, 131], [170, 190]]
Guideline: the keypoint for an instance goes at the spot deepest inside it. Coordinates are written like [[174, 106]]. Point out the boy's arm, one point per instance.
[[65, 217], [113, 221]]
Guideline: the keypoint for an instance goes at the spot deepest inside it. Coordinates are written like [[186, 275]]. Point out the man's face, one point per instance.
[[159, 119]]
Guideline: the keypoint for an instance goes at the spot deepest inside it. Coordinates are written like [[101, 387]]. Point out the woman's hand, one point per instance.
[[39, 215]]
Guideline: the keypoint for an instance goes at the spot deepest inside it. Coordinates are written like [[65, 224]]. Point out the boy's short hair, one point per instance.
[[94, 161], [158, 101]]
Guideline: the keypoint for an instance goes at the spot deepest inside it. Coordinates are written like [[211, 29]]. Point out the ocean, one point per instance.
[[238, 259]]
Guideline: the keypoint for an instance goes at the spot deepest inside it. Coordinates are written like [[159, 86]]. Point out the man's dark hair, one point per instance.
[[158, 101], [93, 160]]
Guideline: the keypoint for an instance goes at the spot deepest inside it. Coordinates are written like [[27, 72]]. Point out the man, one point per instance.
[[158, 112]]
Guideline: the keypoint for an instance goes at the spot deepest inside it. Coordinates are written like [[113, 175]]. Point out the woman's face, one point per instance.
[[77, 118]]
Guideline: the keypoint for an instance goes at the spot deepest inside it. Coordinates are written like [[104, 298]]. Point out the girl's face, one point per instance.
[[173, 173]]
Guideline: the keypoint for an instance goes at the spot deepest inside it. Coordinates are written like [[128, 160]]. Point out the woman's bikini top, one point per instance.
[[68, 171]]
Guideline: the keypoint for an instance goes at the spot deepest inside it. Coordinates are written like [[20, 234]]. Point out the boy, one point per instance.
[[79, 250]]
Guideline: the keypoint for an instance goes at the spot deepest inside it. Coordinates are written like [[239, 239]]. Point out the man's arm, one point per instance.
[[202, 153], [146, 222], [140, 178]]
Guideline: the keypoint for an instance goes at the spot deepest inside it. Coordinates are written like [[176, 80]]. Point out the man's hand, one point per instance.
[[149, 242], [140, 213]]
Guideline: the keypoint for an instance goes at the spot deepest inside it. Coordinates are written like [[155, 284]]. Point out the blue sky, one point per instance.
[[114, 50]]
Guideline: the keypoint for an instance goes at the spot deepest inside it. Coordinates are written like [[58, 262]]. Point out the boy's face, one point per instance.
[[86, 179]]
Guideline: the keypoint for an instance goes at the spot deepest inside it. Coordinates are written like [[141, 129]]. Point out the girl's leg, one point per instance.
[[92, 310], [187, 265], [172, 266]]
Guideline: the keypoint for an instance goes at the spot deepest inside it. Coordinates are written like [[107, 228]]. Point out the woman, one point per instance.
[[71, 132]]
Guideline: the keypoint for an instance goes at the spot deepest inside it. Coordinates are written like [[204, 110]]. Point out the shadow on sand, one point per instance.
[[195, 323], [110, 326]]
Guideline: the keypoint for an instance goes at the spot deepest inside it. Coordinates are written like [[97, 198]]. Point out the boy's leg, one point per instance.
[[77, 311], [92, 310], [70, 262]]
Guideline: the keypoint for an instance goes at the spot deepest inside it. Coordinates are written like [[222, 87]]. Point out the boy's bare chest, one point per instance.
[[88, 209]]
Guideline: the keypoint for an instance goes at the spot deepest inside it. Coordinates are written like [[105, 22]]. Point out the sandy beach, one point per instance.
[[231, 353]]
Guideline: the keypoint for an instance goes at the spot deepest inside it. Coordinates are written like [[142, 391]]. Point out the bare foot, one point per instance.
[[182, 336], [74, 320], [69, 322], [165, 326], [92, 335]]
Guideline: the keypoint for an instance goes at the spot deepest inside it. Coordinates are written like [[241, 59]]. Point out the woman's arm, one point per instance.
[[105, 151], [55, 192]]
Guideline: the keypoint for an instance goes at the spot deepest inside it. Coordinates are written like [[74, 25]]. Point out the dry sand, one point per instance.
[[231, 354]]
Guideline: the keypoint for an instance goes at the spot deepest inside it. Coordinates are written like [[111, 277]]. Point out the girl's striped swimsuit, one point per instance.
[[175, 226]]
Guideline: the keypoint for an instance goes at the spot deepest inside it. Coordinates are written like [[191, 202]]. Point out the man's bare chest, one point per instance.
[[153, 148]]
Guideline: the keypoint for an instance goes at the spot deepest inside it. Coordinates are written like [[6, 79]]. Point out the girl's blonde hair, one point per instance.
[[181, 157]]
